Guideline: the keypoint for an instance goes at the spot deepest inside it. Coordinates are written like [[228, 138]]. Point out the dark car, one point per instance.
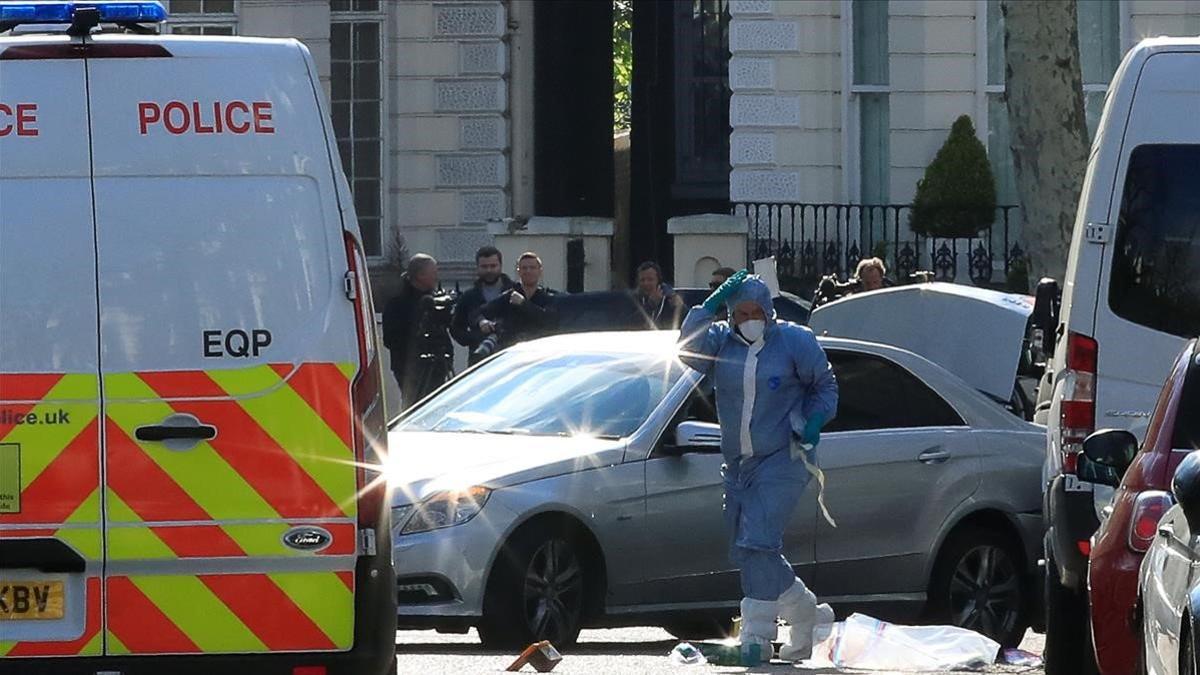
[[1132, 525]]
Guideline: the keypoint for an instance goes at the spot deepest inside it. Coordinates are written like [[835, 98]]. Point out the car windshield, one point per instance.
[[596, 395]]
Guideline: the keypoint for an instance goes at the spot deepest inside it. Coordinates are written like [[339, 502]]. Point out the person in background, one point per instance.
[[657, 303], [775, 391], [521, 313], [871, 275], [415, 330], [466, 328], [719, 276]]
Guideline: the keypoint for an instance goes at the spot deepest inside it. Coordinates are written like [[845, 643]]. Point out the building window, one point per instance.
[[702, 99], [869, 93], [202, 17], [356, 39]]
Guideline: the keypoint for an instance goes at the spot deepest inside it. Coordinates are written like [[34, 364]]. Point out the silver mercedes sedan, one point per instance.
[[575, 481]]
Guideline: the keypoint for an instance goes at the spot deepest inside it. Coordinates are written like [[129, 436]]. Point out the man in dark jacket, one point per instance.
[[469, 328], [658, 305], [415, 322], [525, 311]]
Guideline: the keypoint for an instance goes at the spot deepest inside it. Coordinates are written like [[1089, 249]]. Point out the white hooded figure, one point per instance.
[[775, 391]]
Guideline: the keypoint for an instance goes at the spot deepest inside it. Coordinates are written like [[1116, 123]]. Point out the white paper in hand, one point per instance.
[[767, 271]]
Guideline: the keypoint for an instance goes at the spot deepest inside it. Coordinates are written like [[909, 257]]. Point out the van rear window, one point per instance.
[[1156, 263]]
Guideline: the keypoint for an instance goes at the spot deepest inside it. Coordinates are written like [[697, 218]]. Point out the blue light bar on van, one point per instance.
[[64, 12]]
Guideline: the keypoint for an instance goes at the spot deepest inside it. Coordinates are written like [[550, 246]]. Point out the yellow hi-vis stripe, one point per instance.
[[325, 599], [201, 472], [132, 543], [84, 540], [296, 427], [200, 614], [41, 443]]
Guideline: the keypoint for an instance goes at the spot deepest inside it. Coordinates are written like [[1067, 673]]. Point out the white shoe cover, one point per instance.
[[759, 625]]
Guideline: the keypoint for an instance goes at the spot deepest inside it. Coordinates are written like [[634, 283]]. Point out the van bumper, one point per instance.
[[374, 651], [1071, 515]]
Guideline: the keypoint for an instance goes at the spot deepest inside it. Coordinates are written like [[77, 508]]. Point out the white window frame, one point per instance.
[[851, 111], [205, 20], [385, 137]]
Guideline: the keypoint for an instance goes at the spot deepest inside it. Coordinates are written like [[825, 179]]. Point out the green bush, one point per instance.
[[957, 195]]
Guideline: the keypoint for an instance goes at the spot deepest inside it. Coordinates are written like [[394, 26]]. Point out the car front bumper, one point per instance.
[[442, 574]]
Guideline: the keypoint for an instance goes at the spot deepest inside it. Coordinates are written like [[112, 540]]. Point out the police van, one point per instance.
[[190, 407], [1130, 301]]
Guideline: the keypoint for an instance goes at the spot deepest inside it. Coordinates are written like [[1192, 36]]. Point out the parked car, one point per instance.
[[952, 325], [1131, 523], [575, 480], [1131, 299], [617, 310], [1169, 582]]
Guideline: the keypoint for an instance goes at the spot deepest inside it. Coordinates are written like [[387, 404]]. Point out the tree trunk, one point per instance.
[[1048, 131]]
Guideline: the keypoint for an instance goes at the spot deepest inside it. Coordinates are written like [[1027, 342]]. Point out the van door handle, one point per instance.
[[180, 431], [162, 432], [934, 455]]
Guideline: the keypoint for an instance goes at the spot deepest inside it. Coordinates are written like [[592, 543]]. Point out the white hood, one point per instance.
[[975, 333], [422, 463]]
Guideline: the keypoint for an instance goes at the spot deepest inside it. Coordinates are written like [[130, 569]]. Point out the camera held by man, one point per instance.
[[416, 331]]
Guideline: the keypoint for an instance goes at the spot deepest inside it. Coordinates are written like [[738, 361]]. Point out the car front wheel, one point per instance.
[[536, 592], [978, 584]]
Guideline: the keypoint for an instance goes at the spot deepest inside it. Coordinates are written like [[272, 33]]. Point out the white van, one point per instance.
[[1131, 296], [190, 401]]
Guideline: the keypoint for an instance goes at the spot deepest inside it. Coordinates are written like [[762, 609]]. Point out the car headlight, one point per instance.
[[446, 509]]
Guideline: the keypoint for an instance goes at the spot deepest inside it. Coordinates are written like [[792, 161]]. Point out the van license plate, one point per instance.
[[31, 600]]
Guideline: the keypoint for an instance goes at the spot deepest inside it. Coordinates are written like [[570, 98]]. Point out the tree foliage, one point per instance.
[[957, 196], [622, 64]]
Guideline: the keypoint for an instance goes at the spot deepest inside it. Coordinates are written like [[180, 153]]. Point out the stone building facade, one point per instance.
[[830, 101]]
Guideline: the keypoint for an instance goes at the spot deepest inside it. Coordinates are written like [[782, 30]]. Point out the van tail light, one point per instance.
[[366, 397], [1078, 410], [1148, 509]]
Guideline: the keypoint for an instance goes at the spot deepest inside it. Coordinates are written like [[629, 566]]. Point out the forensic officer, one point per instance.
[[775, 391]]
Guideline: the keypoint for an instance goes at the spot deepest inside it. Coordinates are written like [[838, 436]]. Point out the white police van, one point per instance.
[[1131, 299], [190, 408]]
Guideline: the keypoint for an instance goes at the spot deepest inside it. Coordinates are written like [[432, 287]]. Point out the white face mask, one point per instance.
[[752, 329]]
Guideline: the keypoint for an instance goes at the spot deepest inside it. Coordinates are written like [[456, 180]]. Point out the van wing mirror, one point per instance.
[[1112, 448], [692, 436], [1043, 321]]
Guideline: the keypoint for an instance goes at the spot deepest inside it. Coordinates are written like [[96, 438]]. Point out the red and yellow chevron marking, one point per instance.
[[282, 456], [59, 459]]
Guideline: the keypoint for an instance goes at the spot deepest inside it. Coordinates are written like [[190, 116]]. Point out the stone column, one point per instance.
[[705, 242], [548, 238]]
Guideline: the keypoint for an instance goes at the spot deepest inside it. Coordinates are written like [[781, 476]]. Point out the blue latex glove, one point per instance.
[[812, 429], [718, 297]]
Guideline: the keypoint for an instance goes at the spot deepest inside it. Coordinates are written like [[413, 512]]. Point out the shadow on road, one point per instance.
[[589, 648]]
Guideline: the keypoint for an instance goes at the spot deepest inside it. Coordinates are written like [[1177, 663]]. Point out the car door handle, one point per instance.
[[934, 455], [1166, 531]]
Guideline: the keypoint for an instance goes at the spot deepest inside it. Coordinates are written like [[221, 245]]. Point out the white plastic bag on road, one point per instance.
[[869, 644]]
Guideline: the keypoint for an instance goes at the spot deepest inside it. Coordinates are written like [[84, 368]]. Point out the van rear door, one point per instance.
[[51, 553], [228, 348], [1149, 298]]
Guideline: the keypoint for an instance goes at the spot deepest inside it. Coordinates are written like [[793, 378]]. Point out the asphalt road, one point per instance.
[[600, 652]]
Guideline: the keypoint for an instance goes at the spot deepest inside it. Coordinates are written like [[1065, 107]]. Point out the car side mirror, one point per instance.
[[1186, 488], [1112, 448], [692, 436]]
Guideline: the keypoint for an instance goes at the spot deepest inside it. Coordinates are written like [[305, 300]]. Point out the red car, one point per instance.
[[1143, 495]]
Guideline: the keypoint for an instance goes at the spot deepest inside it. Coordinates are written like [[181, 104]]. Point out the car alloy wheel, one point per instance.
[[553, 594], [985, 591]]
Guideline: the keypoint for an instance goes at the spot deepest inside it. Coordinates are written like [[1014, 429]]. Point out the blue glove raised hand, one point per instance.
[[719, 296], [812, 429]]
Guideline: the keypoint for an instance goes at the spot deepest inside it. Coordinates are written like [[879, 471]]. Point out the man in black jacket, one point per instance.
[[469, 328], [524, 312], [415, 324]]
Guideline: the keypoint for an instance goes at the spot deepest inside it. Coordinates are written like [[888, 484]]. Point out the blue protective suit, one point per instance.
[[766, 391]]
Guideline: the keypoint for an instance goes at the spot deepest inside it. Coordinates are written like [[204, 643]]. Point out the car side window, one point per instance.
[[702, 403], [874, 393]]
